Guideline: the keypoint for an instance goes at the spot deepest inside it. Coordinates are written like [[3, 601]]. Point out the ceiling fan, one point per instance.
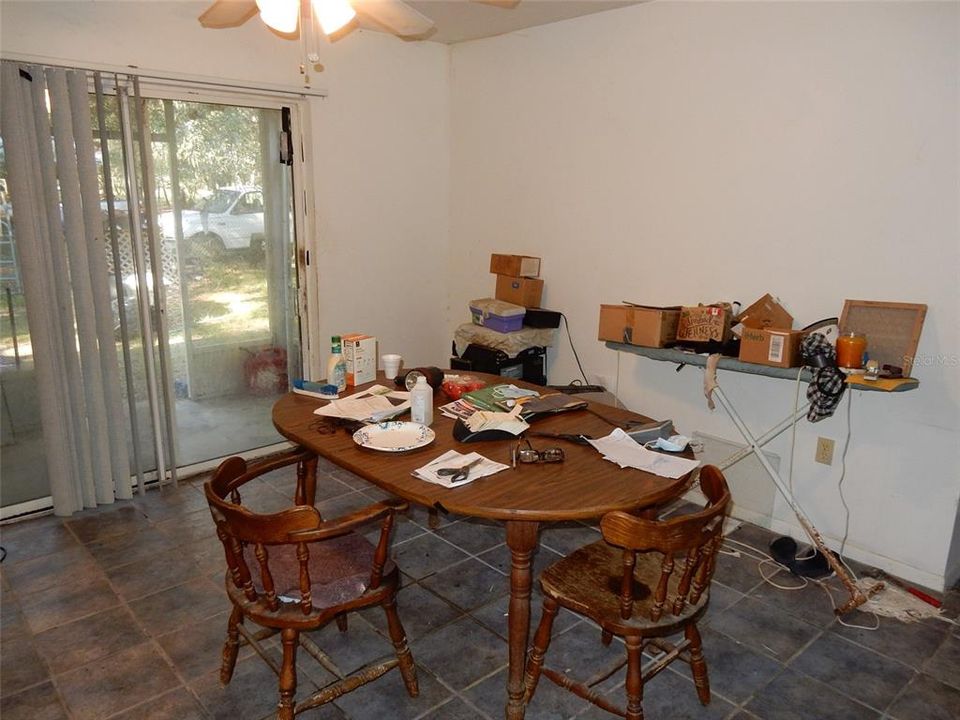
[[335, 17]]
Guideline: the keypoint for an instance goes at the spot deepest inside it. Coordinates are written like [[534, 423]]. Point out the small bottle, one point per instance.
[[421, 402], [336, 365]]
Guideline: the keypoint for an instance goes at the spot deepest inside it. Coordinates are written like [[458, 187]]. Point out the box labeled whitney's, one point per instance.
[[704, 323]]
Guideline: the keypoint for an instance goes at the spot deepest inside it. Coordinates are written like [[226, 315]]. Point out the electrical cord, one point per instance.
[[566, 324], [764, 560], [843, 473]]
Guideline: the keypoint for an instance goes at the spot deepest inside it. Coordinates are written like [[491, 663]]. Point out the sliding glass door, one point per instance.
[[200, 246], [224, 223]]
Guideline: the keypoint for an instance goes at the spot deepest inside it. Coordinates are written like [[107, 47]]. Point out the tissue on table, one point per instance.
[[453, 459]]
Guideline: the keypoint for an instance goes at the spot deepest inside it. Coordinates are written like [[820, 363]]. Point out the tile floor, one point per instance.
[[120, 613]]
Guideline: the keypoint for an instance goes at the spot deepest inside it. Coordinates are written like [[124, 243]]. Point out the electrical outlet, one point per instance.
[[824, 451]]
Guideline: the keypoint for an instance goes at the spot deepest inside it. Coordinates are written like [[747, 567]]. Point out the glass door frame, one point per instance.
[[303, 216]]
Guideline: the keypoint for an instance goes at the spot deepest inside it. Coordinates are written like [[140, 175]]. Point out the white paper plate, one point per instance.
[[394, 436]]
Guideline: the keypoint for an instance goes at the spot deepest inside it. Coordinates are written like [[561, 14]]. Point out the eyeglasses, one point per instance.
[[530, 455]]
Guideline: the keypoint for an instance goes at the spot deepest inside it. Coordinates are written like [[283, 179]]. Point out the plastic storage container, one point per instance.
[[497, 314]]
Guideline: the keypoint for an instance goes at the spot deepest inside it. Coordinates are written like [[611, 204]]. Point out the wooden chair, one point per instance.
[[646, 580], [293, 572]]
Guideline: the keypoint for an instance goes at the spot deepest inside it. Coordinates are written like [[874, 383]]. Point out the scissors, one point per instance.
[[459, 474]]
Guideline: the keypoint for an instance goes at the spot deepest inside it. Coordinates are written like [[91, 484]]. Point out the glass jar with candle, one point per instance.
[[850, 350]]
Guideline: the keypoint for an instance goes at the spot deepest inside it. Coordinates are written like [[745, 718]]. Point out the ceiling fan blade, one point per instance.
[[506, 4], [396, 16], [228, 13]]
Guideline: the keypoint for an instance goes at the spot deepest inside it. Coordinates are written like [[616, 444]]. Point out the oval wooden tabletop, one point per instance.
[[583, 486]]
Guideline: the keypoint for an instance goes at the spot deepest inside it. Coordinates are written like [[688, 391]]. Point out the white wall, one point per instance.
[[692, 152], [380, 145]]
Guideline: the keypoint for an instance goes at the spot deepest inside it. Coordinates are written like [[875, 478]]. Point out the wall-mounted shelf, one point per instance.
[[680, 357]]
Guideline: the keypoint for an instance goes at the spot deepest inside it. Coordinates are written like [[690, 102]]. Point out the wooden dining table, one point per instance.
[[582, 487]]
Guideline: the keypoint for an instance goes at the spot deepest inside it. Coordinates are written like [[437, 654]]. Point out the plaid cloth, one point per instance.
[[828, 383]]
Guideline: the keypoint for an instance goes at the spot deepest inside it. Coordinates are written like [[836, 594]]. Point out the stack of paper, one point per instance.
[[620, 448], [453, 459], [371, 405]]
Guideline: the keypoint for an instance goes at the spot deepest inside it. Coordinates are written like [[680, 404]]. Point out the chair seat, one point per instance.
[[588, 582], [339, 569]]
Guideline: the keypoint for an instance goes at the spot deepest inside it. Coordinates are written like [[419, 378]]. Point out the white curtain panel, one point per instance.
[[54, 184]]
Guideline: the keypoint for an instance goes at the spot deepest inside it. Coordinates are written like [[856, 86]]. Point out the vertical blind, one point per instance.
[[54, 185]]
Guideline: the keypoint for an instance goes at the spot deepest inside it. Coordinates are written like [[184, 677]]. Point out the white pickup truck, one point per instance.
[[230, 219]]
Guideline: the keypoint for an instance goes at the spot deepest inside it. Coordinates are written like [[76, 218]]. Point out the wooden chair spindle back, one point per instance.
[[688, 545], [238, 528]]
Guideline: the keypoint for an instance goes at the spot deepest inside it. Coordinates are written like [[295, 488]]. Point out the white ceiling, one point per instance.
[[461, 20]]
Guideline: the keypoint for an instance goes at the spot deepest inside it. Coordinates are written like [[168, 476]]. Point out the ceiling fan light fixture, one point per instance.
[[281, 15], [333, 14]]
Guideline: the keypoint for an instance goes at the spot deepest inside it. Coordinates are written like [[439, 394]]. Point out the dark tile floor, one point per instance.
[[120, 613]]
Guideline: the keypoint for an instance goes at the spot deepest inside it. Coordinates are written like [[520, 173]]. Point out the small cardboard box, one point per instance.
[[639, 324], [515, 265], [703, 323], [767, 312], [360, 355], [519, 290], [768, 346]]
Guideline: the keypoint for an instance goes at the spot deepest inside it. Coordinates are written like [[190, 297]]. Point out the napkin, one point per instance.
[[620, 448], [453, 459]]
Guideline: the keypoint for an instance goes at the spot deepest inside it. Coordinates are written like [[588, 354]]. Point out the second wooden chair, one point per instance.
[[645, 581]]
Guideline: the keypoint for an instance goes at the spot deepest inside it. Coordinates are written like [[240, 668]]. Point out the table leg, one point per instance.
[[522, 541], [306, 493]]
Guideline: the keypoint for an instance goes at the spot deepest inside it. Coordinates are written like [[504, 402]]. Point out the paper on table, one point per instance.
[[372, 390], [620, 448], [382, 390], [392, 412], [356, 408], [453, 459]]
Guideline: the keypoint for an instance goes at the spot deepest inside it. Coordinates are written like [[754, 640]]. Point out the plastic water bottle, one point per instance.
[[336, 365], [421, 402]]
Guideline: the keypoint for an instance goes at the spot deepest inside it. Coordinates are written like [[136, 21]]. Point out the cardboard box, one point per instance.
[[515, 265], [639, 324], [519, 290], [767, 346], [703, 323], [360, 355], [767, 312]]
